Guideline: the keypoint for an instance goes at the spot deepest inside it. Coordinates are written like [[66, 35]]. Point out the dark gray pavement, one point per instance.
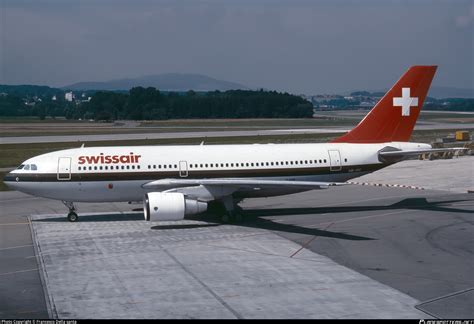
[[416, 242]]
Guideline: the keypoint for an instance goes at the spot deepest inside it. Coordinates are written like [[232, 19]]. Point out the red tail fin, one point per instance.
[[394, 116]]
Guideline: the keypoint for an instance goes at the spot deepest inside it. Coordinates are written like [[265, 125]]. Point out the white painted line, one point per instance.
[[20, 271], [357, 218], [10, 224], [15, 247]]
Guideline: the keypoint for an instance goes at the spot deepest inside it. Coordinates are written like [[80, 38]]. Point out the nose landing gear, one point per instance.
[[72, 215]]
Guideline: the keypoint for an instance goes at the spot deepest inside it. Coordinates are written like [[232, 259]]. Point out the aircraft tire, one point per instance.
[[72, 217]]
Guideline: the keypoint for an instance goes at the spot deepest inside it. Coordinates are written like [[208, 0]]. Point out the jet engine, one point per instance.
[[170, 206]]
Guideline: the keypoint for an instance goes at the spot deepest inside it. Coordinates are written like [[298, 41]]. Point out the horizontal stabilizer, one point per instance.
[[398, 155]]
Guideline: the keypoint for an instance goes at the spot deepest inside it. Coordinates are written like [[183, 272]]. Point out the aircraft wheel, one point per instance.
[[72, 217]]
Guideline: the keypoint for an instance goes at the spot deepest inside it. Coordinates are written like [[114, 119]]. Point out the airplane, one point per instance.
[[175, 181]]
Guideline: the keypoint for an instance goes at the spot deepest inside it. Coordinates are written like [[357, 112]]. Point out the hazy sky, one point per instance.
[[288, 45]]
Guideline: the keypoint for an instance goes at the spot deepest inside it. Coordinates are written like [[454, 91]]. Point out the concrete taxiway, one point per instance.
[[352, 251]]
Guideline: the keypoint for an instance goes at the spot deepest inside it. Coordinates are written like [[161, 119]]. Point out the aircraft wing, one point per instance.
[[236, 184], [239, 183], [216, 188]]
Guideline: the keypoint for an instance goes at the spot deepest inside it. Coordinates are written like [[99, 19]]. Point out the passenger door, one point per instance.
[[183, 169], [335, 160], [64, 168]]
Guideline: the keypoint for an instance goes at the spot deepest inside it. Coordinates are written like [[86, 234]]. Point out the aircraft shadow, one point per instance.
[[178, 226], [409, 203], [253, 217]]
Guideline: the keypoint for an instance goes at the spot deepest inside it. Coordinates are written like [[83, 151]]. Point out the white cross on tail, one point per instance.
[[405, 101]]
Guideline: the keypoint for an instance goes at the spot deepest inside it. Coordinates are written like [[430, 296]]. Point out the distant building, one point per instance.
[[54, 98], [69, 96]]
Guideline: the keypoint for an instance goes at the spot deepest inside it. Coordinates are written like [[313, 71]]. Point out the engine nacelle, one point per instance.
[[170, 206]]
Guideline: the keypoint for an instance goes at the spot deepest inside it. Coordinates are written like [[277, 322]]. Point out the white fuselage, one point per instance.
[[107, 174]]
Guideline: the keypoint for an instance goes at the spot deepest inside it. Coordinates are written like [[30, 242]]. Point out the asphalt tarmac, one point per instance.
[[411, 247]]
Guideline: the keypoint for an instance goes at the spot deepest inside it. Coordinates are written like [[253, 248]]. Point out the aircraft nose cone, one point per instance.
[[10, 179]]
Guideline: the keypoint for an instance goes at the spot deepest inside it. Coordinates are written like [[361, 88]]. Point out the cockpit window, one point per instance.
[[20, 167], [33, 167], [27, 167]]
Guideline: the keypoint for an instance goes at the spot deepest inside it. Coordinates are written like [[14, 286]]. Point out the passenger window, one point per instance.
[[100, 167], [128, 167], [133, 167], [90, 168], [138, 167], [320, 161], [324, 160]]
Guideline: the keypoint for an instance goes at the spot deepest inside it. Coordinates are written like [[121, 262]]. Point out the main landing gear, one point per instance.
[[232, 213], [72, 215]]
